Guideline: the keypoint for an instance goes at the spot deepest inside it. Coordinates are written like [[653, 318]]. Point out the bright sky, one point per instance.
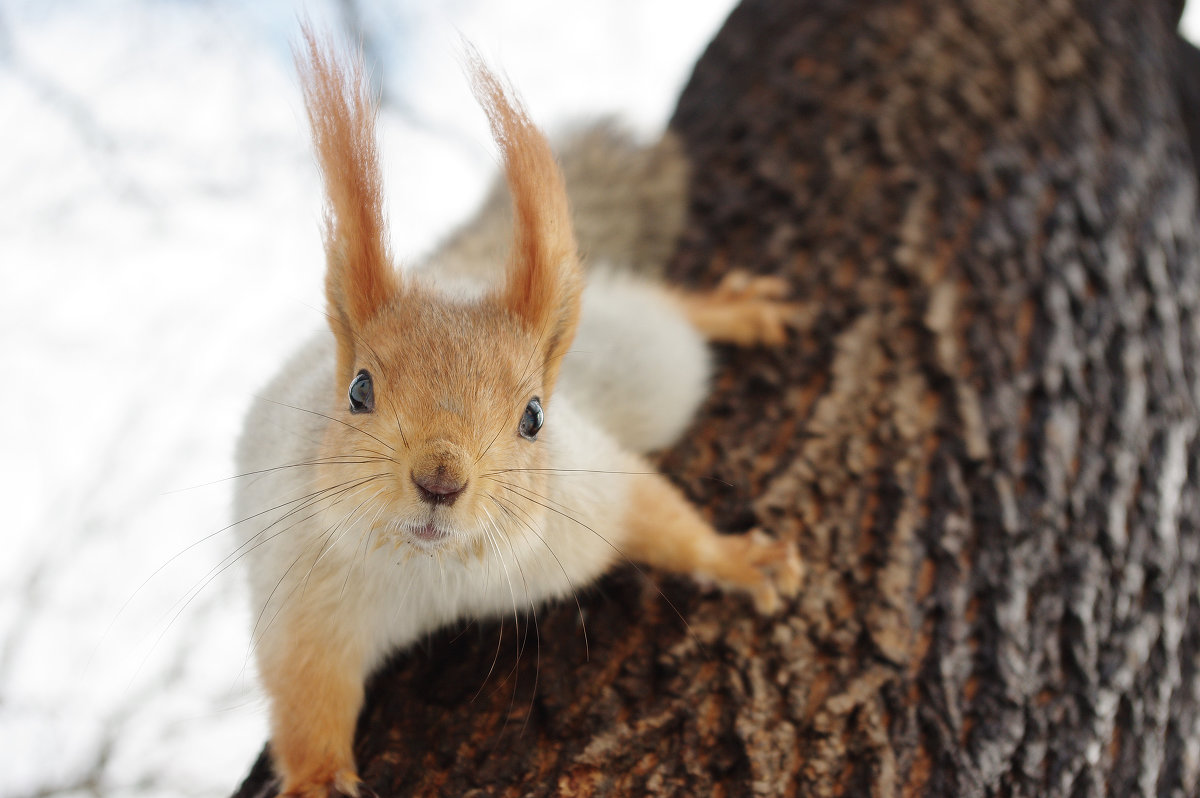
[[1189, 26]]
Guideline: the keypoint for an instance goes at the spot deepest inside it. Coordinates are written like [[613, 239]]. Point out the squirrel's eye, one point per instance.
[[532, 420], [362, 393]]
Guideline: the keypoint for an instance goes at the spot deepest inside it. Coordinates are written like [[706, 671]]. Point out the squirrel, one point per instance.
[[484, 415]]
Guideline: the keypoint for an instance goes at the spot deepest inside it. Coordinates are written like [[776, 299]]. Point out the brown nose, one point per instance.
[[438, 487], [439, 470]]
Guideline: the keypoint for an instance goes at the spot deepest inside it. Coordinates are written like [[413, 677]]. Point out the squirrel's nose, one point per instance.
[[439, 470], [438, 487]]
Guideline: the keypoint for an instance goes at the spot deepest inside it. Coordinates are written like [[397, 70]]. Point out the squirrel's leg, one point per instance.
[[663, 529], [744, 309], [315, 681]]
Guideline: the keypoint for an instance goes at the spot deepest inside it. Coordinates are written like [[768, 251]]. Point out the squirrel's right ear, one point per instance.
[[359, 278]]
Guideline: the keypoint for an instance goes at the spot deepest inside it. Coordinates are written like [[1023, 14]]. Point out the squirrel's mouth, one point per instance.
[[424, 533], [428, 532]]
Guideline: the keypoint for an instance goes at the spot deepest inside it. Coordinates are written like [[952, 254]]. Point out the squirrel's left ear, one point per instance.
[[544, 280]]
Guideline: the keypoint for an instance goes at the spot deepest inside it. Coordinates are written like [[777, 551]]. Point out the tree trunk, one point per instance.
[[985, 440]]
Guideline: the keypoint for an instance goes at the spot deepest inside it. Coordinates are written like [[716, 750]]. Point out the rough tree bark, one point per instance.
[[985, 439]]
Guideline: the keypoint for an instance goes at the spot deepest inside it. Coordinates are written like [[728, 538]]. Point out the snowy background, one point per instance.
[[159, 256]]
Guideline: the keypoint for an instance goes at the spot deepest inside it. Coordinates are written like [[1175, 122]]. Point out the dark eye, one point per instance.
[[531, 422], [362, 393]]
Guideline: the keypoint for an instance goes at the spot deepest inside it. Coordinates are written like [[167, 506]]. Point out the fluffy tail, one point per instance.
[[628, 205]]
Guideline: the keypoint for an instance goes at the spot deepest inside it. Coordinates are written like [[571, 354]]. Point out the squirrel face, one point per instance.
[[445, 406], [439, 390]]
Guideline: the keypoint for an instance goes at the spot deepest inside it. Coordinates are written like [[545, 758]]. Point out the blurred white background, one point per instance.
[[159, 256]]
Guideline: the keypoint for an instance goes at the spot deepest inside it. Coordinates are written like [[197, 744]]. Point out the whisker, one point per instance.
[[709, 478], [137, 591], [255, 637], [508, 577], [531, 491], [466, 627], [378, 361], [336, 492], [529, 525], [399, 428], [366, 537], [328, 418], [337, 497], [302, 585], [347, 523], [192, 593], [350, 459], [538, 639], [526, 384], [488, 448], [517, 623], [621, 554]]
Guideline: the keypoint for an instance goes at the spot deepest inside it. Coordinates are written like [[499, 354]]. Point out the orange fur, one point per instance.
[[666, 531], [544, 279], [316, 692], [743, 310], [443, 402], [359, 279]]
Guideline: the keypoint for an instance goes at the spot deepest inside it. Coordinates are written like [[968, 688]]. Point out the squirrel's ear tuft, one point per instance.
[[544, 280], [359, 278]]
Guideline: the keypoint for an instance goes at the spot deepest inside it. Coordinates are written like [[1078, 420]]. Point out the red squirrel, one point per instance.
[[450, 428]]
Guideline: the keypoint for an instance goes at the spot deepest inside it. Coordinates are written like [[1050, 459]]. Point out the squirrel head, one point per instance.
[[439, 401]]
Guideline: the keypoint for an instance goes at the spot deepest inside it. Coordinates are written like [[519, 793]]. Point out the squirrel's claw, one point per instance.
[[745, 309], [742, 285], [779, 569], [345, 784]]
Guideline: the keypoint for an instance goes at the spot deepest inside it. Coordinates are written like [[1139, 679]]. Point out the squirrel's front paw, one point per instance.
[[745, 309], [742, 285], [782, 569], [763, 315], [343, 784], [769, 570]]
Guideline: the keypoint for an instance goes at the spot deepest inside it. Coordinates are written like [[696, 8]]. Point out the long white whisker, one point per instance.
[[488, 534], [518, 491], [346, 523], [185, 601], [364, 538], [326, 536], [487, 577], [333, 494], [327, 418], [537, 634], [304, 504], [529, 524]]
